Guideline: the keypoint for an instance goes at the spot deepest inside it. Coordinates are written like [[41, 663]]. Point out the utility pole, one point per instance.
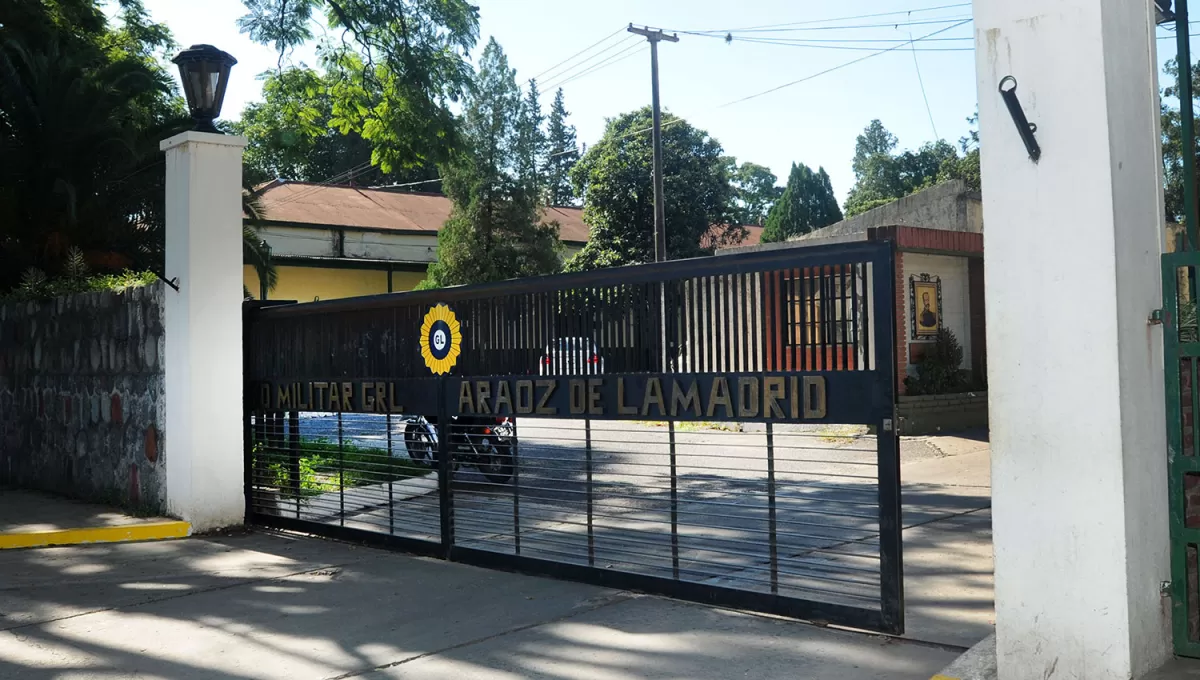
[[660, 213]]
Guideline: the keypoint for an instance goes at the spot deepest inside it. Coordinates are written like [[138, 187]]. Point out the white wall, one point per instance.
[[374, 245], [956, 299], [298, 242], [1075, 377]]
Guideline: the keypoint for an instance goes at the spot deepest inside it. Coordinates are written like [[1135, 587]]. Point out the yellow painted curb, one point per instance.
[[942, 677], [148, 531]]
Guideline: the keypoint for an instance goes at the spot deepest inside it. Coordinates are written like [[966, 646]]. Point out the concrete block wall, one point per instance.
[[82, 397], [931, 414]]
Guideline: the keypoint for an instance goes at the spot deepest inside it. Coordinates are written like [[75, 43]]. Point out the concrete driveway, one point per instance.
[[258, 605]]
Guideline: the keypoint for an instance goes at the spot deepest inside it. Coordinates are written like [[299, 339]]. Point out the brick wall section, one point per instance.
[[81, 397], [934, 240], [978, 319]]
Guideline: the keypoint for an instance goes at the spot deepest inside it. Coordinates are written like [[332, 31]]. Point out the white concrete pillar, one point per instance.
[[203, 440], [1079, 462]]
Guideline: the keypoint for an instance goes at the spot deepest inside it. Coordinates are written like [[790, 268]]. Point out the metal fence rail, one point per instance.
[[662, 427]]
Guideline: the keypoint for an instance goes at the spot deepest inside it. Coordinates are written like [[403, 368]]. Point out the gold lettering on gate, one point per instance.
[[466, 398], [285, 397], [366, 396], [543, 407], [577, 391], [814, 397], [503, 397], [719, 395], [653, 395], [747, 397], [524, 396], [773, 391], [347, 392], [622, 409], [483, 393], [594, 407], [685, 400]]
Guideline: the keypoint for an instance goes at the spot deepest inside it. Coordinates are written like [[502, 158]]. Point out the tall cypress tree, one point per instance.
[[807, 203], [495, 230], [561, 154]]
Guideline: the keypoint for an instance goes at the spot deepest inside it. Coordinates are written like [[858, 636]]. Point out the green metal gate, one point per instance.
[[1181, 339]]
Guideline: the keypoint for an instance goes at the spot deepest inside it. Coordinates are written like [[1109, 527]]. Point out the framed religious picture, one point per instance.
[[925, 303]]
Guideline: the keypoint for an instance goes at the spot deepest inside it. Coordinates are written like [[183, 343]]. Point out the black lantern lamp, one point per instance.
[[205, 73]]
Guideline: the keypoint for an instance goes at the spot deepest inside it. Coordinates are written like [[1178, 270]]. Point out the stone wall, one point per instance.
[[81, 397], [948, 206], [936, 413]]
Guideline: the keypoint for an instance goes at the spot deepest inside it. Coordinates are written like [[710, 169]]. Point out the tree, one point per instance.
[[530, 142], [967, 167], [1172, 142], [807, 203], [614, 178], [290, 134], [495, 230], [391, 75], [882, 176], [561, 154], [754, 192], [83, 105]]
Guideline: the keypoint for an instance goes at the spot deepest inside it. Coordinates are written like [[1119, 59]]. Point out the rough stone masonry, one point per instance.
[[81, 397]]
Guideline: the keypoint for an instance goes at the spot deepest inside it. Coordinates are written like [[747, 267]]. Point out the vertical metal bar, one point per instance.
[[674, 503], [516, 492], [771, 519], [341, 471], [1187, 119], [445, 469], [391, 462], [248, 463], [587, 445], [854, 315], [844, 324], [1172, 374], [891, 564], [294, 451]]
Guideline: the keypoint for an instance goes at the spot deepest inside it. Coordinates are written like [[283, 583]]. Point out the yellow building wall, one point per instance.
[[303, 284]]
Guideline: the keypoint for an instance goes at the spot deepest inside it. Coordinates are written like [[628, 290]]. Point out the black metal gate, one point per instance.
[[717, 429]]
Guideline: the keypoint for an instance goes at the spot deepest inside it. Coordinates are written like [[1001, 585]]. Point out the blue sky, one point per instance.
[[813, 122]]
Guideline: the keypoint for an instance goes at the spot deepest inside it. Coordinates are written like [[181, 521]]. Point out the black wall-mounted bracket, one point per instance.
[[1008, 90]]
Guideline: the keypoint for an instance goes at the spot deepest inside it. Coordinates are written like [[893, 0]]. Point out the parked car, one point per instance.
[[571, 356]]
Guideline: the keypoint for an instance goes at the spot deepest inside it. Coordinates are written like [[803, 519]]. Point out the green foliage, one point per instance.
[[83, 105], [35, 285], [883, 176], [322, 464], [561, 154], [495, 230], [614, 178], [390, 76], [1172, 140], [938, 370], [754, 192], [807, 203]]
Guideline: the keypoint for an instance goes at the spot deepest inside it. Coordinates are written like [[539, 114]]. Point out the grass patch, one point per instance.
[[323, 467], [693, 425], [842, 434]]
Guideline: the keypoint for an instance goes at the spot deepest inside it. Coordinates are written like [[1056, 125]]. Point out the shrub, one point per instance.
[[938, 370]]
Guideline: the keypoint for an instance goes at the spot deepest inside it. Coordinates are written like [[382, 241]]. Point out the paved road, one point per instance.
[[264, 607], [826, 538]]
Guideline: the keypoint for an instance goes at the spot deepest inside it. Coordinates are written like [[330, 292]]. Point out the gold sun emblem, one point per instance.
[[441, 339]]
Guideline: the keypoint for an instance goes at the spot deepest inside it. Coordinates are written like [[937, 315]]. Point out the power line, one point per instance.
[[584, 64], [850, 18], [840, 66], [331, 180], [405, 184], [902, 43], [619, 30], [896, 24], [921, 81], [619, 56]]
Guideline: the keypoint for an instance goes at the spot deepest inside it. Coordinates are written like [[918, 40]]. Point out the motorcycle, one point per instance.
[[486, 443]]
